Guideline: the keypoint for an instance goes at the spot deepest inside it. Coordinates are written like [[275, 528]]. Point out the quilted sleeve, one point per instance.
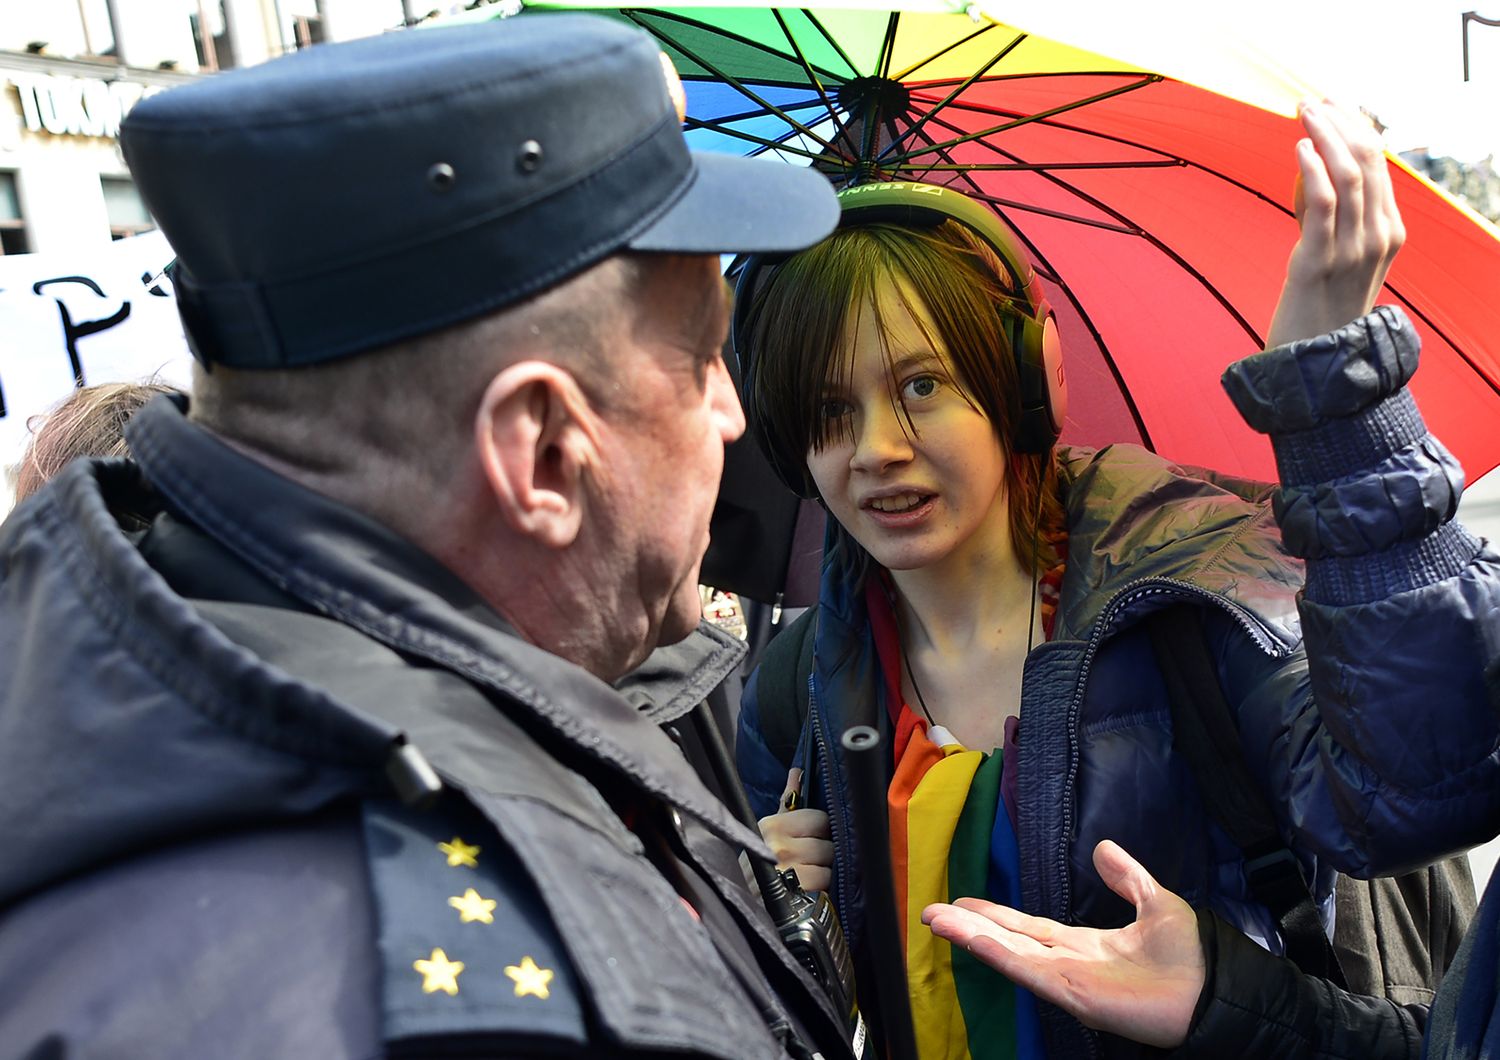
[[1389, 726]]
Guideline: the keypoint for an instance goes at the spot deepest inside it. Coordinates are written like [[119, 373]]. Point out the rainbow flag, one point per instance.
[[951, 837]]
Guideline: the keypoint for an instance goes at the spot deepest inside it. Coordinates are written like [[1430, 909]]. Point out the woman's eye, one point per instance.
[[922, 386], [833, 409]]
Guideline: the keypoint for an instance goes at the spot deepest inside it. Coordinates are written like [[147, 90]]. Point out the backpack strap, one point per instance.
[[782, 685], [1205, 734]]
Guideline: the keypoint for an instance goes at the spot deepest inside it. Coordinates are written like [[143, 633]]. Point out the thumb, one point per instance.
[[1123, 874]]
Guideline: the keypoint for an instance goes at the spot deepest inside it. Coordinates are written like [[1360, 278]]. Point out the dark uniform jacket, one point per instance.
[[225, 706]]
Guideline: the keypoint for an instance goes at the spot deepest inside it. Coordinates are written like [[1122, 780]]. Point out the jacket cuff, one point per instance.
[[1366, 493], [1304, 384]]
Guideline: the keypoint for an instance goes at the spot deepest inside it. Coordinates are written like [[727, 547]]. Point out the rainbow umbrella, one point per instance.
[[1158, 211]]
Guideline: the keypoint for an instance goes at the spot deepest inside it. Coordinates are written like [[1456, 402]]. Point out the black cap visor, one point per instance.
[[739, 205]]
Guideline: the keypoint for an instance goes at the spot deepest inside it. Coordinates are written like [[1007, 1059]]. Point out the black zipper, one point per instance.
[[1127, 596], [835, 807]]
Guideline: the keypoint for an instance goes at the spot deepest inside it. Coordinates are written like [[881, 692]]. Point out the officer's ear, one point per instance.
[[537, 439]]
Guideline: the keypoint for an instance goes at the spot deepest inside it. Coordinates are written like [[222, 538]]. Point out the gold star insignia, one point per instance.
[[471, 907], [439, 973], [459, 853], [529, 978]]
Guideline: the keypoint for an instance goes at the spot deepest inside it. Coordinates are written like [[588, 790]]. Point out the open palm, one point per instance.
[[1141, 981]]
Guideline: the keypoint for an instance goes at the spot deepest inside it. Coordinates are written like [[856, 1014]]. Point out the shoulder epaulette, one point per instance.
[[468, 947]]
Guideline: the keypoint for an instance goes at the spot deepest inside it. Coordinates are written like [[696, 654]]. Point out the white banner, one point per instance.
[[103, 316]]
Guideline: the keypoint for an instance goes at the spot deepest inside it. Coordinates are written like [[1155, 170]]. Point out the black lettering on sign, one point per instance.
[[73, 331]]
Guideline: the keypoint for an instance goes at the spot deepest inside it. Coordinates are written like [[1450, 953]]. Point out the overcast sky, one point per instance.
[[1401, 59]]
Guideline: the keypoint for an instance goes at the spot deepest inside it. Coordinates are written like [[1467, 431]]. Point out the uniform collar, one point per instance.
[[339, 563]]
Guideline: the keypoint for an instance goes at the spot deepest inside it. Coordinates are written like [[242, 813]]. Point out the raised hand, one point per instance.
[[1350, 227], [1140, 982]]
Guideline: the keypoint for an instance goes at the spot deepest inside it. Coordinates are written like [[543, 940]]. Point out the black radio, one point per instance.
[[810, 928]]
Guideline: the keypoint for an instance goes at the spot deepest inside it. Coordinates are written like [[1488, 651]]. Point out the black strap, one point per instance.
[[782, 685], [1205, 734]]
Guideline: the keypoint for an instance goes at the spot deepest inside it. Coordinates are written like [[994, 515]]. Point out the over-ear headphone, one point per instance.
[[1027, 318]]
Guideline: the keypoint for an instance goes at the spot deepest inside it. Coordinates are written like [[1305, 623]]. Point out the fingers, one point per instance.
[[799, 838], [1123, 874], [1314, 198], [1017, 957], [789, 793], [1331, 136], [1350, 227], [814, 877], [1367, 150], [1366, 224], [1015, 924], [804, 852], [812, 823]]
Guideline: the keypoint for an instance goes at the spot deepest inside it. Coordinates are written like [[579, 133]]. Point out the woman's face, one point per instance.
[[918, 497]]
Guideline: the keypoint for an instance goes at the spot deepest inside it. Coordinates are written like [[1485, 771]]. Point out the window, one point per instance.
[[305, 20], [211, 37], [64, 30], [12, 226], [127, 213]]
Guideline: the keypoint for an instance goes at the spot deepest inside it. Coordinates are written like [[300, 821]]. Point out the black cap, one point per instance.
[[352, 195]]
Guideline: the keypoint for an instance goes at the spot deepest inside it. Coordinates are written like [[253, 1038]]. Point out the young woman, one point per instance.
[[881, 377]]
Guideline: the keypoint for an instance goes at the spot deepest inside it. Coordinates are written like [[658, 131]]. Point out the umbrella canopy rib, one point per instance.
[[1062, 108], [760, 141], [773, 111], [904, 74], [831, 41], [1035, 167], [888, 45], [1154, 240], [659, 15], [1124, 141], [737, 85], [963, 86], [1417, 311], [1045, 268], [812, 75]]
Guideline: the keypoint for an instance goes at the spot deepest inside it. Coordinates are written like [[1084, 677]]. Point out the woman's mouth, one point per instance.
[[901, 502], [899, 509]]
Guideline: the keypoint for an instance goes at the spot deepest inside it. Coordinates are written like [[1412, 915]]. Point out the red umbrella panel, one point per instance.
[[1164, 273]]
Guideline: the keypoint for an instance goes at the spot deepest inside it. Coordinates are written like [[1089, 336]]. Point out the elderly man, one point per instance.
[[310, 745]]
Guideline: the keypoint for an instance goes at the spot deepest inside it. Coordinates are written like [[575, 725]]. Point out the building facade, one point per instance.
[[70, 70]]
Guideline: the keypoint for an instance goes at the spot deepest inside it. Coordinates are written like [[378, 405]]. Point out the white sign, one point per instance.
[[107, 316], [76, 106]]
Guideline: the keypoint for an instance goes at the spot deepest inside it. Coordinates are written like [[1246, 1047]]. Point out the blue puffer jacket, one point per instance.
[[1371, 772]]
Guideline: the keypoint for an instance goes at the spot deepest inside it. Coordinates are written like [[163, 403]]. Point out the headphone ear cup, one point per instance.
[[792, 472], [1043, 383]]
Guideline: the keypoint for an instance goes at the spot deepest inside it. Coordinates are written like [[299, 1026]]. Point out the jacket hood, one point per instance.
[[127, 719]]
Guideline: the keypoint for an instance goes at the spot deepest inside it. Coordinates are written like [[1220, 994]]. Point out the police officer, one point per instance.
[[329, 761]]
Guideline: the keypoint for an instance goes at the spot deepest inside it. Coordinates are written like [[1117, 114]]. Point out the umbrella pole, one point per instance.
[[864, 758]]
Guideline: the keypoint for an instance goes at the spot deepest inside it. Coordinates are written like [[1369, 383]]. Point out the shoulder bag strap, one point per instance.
[[1205, 734]]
